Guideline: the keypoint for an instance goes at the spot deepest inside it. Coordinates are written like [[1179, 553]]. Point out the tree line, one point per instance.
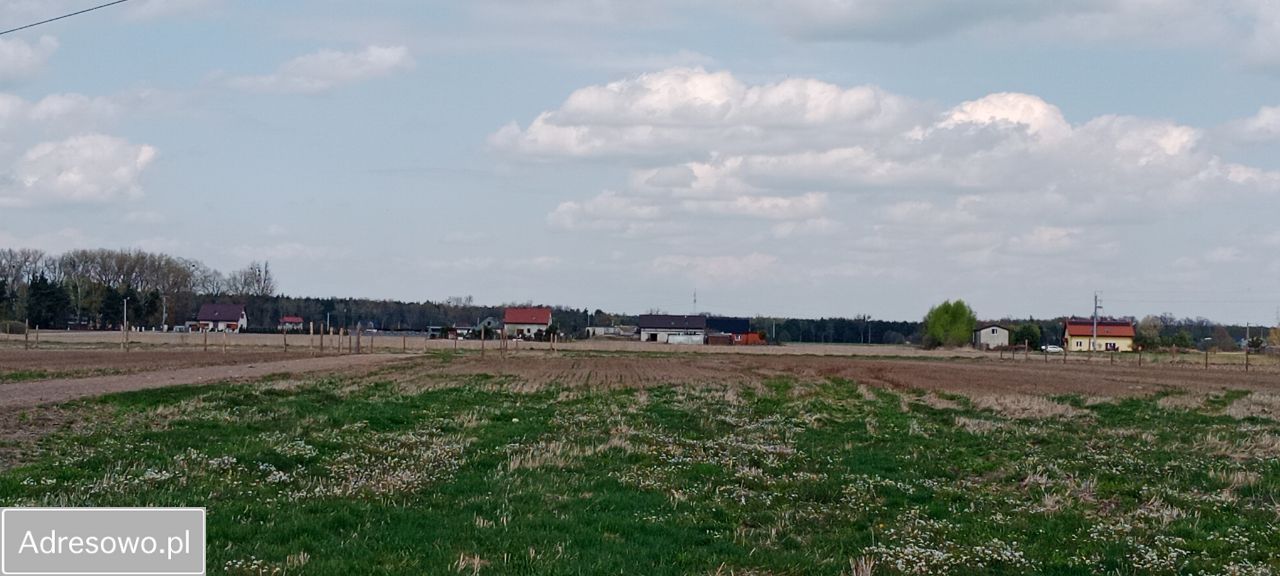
[[91, 289]]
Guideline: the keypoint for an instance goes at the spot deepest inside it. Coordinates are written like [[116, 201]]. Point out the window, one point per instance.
[[993, 330]]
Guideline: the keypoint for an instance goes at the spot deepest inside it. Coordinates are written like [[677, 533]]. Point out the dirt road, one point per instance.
[[29, 394]]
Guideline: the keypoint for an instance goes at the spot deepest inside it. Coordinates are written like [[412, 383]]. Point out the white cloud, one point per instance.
[[1002, 186], [91, 168], [327, 69], [682, 109], [54, 114], [608, 210], [1038, 117], [805, 206], [19, 58], [1265, 125]]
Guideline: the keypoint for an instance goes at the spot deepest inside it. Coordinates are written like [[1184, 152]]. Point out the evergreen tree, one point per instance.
[[47, 303], [5, 306]]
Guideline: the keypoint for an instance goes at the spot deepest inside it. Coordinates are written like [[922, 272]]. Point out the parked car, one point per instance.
[[1052, 349]]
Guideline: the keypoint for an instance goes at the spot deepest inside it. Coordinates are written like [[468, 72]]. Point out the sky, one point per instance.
[[807, 158]]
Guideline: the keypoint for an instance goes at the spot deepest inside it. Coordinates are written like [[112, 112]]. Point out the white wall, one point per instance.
[[664, 336]]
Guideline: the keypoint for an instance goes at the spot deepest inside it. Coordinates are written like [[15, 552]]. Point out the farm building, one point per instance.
[[669, 329], [525, 322], [990, 336], [737, 330], [290, 324], [222, 317], [595, 331], [1113, 335]]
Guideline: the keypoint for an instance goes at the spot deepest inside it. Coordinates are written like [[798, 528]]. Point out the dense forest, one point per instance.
[[91, 289]]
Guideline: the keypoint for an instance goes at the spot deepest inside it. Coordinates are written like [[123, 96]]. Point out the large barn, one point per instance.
[[667, 329]]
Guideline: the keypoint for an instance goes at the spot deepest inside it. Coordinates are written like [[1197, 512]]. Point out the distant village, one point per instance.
[[1079, 334]]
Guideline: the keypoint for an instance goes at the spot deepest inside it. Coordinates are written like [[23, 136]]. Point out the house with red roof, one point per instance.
[[1115, 335], [525, 322], [290, 324]]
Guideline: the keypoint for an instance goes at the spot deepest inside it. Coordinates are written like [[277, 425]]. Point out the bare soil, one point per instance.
[[72, 362], [969, 377]]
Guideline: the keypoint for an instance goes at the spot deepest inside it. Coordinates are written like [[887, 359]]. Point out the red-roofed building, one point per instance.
[[290, 324], [1113, 335], [525, 322]]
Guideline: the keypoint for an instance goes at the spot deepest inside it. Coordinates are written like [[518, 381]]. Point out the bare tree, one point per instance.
[[254, 280]]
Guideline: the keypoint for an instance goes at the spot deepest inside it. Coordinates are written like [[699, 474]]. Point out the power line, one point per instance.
[[99, 7]]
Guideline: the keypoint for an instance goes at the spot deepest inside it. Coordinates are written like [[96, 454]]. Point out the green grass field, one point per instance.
[[326, 475]]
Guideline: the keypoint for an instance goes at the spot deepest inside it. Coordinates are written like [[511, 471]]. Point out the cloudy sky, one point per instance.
[[802, 158]]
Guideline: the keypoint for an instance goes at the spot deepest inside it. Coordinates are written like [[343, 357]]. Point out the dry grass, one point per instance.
[[1026, 407], [1256, 405], [978, 426], [1181, 402], [558, 454]]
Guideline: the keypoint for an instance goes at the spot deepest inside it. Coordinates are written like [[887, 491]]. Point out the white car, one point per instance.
[[1052, 349]]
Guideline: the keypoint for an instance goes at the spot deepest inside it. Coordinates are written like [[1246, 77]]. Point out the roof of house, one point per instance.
[[668, 322], [291, 320], [527, 316], [1106, 328], [729, 325], [985, 326], [220, 312]]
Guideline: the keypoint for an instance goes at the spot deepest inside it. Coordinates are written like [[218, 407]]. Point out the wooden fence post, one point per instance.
[[1206, 358], [285, 335], [404, 343], [206, 339], [37, 336], [1246, 358], [224, 341]]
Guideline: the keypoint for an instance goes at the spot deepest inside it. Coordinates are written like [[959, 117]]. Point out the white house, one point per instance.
[[990, 336], [525, 322], [222, 317]]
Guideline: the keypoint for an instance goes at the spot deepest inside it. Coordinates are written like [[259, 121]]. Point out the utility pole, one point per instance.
[[125, 326], [164, 312], [1097, 305]]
